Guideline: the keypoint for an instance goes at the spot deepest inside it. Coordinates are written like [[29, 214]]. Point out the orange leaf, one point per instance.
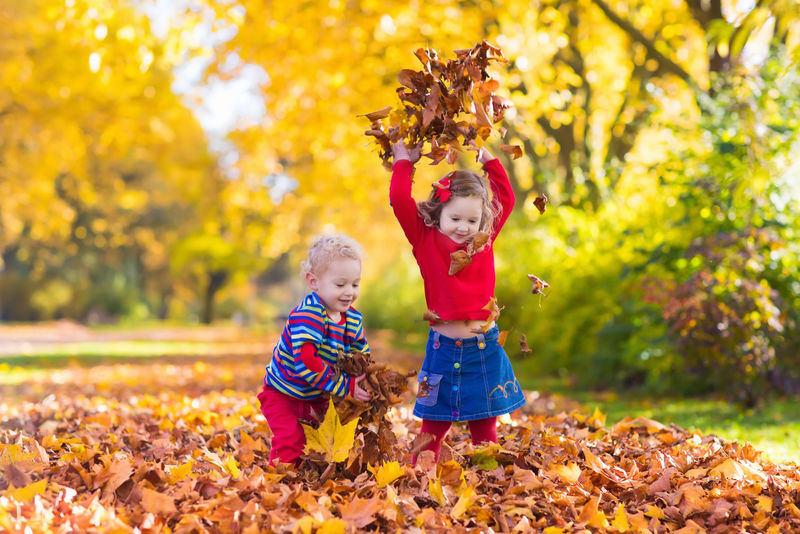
[[377, 115], [458, 260], [361, 512], [514, 150], [157, 503], [501, 338]]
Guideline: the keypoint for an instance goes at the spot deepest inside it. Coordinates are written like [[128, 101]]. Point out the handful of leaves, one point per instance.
[[448, 104]]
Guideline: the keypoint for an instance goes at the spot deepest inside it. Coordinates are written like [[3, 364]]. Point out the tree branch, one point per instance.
[[637, 36]]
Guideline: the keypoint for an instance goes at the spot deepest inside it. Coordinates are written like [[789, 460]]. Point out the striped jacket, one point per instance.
[[309, 322]]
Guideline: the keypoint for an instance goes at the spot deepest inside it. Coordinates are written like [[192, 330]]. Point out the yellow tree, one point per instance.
[[587, 79], [102, 167]]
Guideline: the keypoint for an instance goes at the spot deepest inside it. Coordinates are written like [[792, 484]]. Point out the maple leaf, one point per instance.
[[332, 438], [361, 512], [388, 472], [28, 492], [465, 500], [157, 503]]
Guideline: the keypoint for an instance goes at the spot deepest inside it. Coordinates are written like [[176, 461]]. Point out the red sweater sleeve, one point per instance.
[[308, 355], [502, 191], [403, 204]]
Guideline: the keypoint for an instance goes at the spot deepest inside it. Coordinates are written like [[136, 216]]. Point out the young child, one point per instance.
[[465, 377], [300, 376]]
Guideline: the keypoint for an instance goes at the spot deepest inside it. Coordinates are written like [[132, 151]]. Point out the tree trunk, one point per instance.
[[216, 280]]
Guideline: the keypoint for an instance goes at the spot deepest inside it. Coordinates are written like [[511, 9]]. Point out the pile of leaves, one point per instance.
[[447, 105], [183, 446]]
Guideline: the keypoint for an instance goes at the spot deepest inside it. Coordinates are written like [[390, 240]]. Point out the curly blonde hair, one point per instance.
[[463, 183], [325, 249]]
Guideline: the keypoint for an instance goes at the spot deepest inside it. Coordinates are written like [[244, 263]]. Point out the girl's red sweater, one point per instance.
[[465, 294]]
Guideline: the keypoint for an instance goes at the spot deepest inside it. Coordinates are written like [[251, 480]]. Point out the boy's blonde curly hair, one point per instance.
[[325, 249]]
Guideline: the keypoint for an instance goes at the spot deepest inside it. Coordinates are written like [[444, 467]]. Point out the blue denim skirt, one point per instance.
[[466, 379]]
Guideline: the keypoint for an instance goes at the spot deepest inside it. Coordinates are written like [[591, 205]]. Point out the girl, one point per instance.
[[465, 377], [301, 375]]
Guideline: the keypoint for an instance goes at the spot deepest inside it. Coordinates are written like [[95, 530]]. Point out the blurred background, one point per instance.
[[167, 162]]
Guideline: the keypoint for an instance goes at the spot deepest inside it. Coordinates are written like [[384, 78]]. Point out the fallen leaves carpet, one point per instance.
[[180, 446]]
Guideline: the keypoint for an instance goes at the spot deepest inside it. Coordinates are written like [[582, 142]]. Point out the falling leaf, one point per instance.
[[501, 337], [478, 241], [458, 260], [540, 203], [332, 438], [377, 115], [539, 285], [514, 150], [523, 344], [431, 316]]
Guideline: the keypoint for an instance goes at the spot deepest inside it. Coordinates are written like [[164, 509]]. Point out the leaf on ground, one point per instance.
[[332, 438]]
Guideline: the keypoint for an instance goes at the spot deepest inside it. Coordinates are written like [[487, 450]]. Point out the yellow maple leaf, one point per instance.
[[554, 530], [28, 492], [620, 521], [232, 466], [654, 511], [569, 472], [436, 491], [333, 525], [179, 472], [464, 502], [332, 439], [597, 419], [388, 473]]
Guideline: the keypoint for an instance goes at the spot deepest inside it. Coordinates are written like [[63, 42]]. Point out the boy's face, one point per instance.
[[460, 218], [337, 286]]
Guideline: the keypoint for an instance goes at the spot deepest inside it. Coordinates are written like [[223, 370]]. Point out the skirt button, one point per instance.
[[458, 342], [481, 345]]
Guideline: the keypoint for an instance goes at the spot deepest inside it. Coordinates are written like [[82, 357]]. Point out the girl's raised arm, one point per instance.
[[403, 204], [502, 191]]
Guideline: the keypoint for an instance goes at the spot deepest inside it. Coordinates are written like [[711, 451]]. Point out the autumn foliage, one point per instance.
[[182, 445], [446, 105]]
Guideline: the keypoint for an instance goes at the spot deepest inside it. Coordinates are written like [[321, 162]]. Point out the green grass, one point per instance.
[[773, 428]]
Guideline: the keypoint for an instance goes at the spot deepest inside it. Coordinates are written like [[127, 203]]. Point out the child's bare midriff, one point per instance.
[[461, 329]]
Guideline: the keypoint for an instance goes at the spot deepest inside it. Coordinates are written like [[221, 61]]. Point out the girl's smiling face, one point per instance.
[[460, 218]]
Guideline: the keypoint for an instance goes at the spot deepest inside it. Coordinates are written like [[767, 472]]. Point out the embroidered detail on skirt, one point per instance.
[[466, 379]]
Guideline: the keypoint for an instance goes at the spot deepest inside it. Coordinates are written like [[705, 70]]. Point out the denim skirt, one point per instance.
[[466, 379]]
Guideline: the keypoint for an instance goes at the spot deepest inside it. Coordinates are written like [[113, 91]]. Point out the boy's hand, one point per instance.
[[400, 151], [359, 393]]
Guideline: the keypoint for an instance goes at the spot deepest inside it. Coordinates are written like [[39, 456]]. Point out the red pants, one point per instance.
[[283, 413], [481, 431]]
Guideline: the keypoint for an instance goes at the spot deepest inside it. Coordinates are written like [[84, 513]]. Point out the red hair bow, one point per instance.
[[442, 189]]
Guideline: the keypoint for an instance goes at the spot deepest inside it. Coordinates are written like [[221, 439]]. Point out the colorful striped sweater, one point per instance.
[[309, 323]]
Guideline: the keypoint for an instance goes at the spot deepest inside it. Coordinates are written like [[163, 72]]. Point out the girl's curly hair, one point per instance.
[[327, 248], [463, 183]]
